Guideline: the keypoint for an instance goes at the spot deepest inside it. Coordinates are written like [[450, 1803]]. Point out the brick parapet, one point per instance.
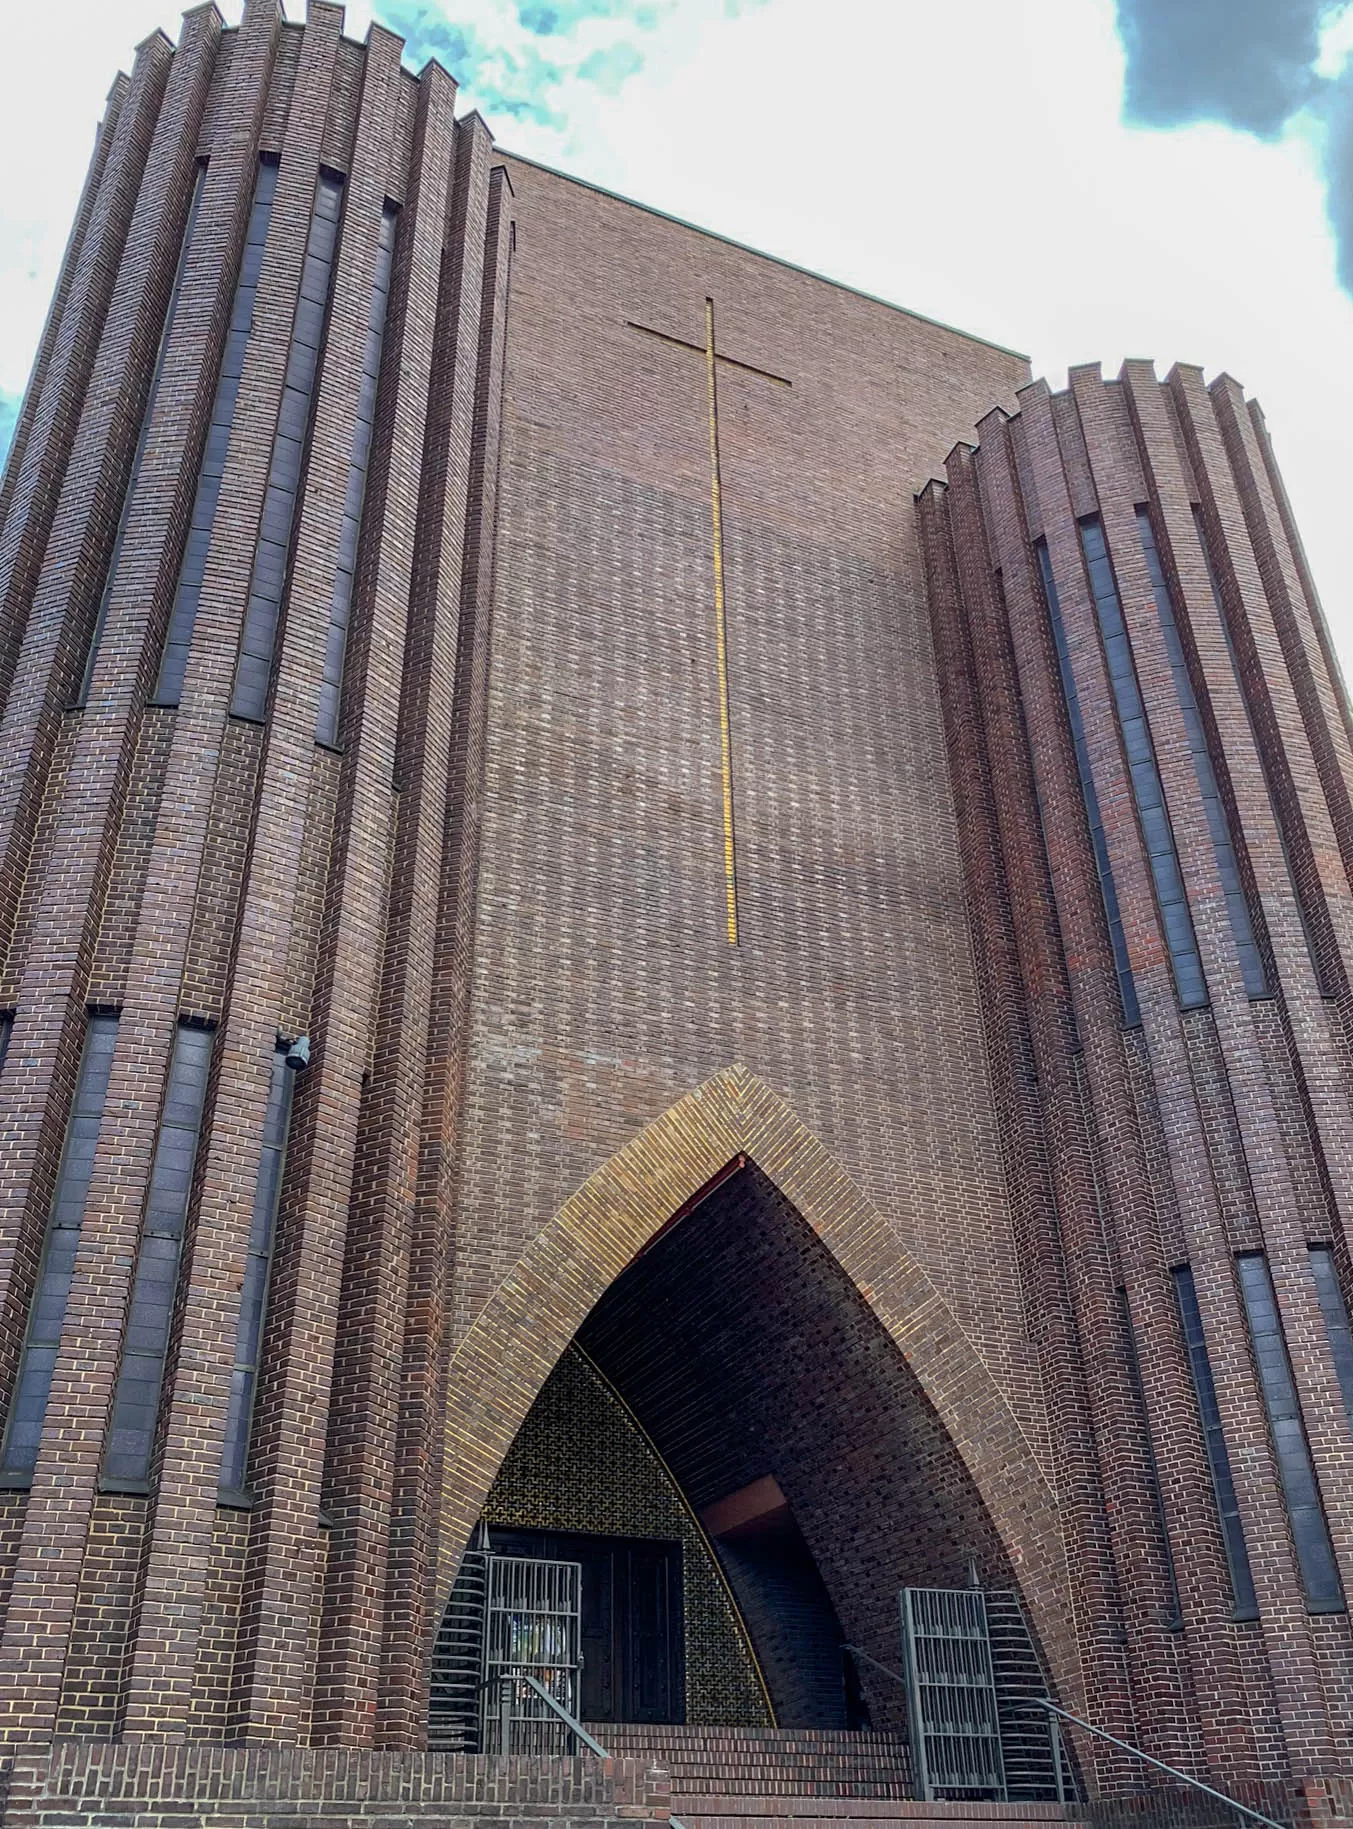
[[137, 1784]]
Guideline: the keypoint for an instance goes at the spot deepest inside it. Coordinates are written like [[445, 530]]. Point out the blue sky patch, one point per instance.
[[9, 415]]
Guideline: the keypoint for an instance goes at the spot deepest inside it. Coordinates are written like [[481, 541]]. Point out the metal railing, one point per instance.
[[1054, 1733], [1231, 1803], [574, 1726], [593, 1745]]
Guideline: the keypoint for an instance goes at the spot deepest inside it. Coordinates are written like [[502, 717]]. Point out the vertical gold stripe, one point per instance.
[[721, 630]]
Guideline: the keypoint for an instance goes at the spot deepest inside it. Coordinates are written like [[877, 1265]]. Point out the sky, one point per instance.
[[1081, 180]]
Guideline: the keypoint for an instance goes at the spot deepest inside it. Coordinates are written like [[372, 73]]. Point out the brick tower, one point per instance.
[[625, 1041]]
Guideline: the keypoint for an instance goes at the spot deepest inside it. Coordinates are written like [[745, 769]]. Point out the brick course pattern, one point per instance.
[[495, 909]]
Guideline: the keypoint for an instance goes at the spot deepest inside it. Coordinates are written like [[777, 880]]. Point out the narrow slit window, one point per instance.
[[1214, 1444], [1296, 1471], [1175, 919], [1175, 1615], [1311, 953], [272, 553], [6, 1031], [33, 1384], [136, 1401], [135, 472], [340, 608], [258, 1267], [183, 615], [1127, 989], [1228, 868], [1338, 1331]]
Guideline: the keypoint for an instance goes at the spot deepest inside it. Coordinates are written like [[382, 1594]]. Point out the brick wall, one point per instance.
[[497, 907]]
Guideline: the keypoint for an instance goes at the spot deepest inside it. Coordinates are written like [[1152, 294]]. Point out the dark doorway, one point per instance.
[[632, 1634]]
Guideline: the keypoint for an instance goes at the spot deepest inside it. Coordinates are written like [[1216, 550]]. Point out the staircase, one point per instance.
[[799, 1778]]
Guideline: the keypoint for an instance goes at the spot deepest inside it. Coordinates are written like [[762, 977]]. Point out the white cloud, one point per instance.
[[966, 161]]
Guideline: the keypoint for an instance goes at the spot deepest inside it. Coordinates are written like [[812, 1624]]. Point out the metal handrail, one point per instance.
[[856, 1652], [511, 1674], [1058, 1757], [1160, 1765]]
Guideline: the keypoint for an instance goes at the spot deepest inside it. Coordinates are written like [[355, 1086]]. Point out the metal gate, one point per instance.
[[531, 1620], [952, 1709]]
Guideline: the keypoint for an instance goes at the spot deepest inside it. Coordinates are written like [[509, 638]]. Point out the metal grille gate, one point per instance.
[[531, 1624], [952, 1709]]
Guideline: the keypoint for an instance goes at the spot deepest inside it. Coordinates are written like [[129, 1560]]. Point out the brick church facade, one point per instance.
[[661, 925]]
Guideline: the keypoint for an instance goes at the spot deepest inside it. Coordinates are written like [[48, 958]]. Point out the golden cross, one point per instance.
[[713, 357]]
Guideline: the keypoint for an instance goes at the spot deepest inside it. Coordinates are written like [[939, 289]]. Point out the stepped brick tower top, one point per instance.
[[674, 991]]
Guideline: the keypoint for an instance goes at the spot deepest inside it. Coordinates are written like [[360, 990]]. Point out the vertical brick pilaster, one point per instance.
[[98, 474], [1127, 1182], [365, 1391], [284, 1576], [1269, 1181], [1134, 1679], [33, 502], [412, 1590], [1280, 1597], [1317, 689], [163, 1649], [70, 261], [53, 986]]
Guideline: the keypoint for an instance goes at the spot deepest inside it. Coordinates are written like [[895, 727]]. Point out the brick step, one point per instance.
[[768, 1762], [726, 1812]]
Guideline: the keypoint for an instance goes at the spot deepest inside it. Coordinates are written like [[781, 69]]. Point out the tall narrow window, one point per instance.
[[1310, 1533], [1127, 989], [340, 608], [1228, 869], [136, 1401], [272, 553], [174, 662], [258, 1265], [135, 472], [1175, 918], [1316, 967], [33, 1384], [6, 1030], [1174, 1617], [1335, 1311], [1214, 1442]]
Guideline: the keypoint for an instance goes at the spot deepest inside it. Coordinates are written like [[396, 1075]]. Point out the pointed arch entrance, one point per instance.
[[864, 1302]]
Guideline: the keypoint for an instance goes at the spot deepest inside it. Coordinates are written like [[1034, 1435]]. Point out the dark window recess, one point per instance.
[[1175, 1614], [253, 674], [1335, 1310], [1127, 990], [174, 662], [135, 472], [136, 1401], [1175, 919], [340, 608], [258, 1264], [1228, 870], [6, 1030], [1310, 1534], [1320, 980], [34, 1381], [1214, 1442]]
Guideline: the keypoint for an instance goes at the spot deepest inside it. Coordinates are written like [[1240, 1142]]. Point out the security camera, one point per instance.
[[298, 1054]]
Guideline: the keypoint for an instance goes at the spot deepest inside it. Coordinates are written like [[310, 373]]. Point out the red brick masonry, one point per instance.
[[496, 908]]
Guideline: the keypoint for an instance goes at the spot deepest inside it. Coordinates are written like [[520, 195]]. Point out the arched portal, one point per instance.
[[793, 1369]]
